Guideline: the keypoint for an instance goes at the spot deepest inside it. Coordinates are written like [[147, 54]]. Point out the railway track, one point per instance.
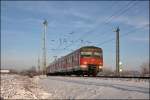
[[125, 77]]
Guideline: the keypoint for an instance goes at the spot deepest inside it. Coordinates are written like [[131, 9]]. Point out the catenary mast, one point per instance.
[[45, 23]]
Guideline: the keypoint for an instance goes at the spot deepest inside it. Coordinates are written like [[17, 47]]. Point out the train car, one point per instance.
[[86, 60]]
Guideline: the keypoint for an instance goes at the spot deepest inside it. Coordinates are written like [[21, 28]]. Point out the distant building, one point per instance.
[[4, 71]]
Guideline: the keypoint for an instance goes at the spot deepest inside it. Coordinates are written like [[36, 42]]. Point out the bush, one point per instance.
[[30, 72]]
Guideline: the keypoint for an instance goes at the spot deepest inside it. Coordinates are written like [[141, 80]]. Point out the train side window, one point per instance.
[[72, 58], [76, 56], [69, 59], [66, 62]]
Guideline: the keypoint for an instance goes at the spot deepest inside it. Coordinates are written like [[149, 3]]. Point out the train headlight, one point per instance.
[[84, 62], [100, 67], [83, 66]]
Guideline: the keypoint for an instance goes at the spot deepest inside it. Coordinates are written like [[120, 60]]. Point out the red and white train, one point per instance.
[[86, 60]]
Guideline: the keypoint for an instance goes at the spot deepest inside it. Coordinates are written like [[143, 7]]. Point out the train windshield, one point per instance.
[[86, 54], [91, 54]]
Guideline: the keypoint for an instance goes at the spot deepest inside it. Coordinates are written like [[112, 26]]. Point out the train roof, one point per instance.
[[90, 47]]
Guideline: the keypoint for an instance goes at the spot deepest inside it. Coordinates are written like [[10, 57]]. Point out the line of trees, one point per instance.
[[144, 71]]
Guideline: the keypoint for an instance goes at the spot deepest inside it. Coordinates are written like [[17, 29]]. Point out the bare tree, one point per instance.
[[29, 72], [145, 69]]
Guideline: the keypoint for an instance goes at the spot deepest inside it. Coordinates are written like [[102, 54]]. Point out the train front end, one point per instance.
[[91, 60]]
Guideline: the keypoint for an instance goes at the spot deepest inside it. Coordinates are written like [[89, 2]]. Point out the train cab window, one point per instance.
[[91, 54], [86, 54], [97, 54]]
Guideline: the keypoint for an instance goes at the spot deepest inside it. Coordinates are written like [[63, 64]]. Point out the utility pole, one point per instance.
[[38, 64], [117, 51], [44, 46]]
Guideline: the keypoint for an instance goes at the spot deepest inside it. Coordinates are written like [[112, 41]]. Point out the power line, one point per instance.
[[83, 36], [108, 20], [105, 22], [123, 11], [109, 40], [112, 39], [87, 32]]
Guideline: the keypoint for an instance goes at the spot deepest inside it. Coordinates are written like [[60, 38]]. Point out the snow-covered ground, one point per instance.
[[21, 87], [56, 87], [95, 88]]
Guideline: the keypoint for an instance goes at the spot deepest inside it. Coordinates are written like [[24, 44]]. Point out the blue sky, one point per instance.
[[70, 22]]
